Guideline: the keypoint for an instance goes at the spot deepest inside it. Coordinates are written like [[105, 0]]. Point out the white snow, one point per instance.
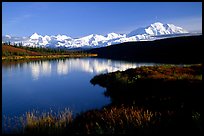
[[95, 40], [158, 29], [35, 36]]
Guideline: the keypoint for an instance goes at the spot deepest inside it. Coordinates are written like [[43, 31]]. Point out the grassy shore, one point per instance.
[[109, 120], [47, 56], [163, 73], [160, 88]]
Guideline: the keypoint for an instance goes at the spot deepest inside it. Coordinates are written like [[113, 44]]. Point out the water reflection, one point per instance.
[[46, 68], [40, 68], [96, 66], [35, 69], [62, 67], [65, 66]]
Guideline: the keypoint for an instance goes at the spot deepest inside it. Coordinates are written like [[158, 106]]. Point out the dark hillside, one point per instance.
[[173, 50]]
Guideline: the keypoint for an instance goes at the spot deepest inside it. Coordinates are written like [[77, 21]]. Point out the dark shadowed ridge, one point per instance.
[[185, 49]]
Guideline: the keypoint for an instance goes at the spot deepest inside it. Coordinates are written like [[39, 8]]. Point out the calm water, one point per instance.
[[56, 84]]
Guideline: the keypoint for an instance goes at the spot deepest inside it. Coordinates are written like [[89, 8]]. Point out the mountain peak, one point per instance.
[[157, 24], [34, 36], [35, 33], [113, 35], [157, 28]]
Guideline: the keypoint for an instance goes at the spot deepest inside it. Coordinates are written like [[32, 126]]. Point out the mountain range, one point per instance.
[[152, 32]]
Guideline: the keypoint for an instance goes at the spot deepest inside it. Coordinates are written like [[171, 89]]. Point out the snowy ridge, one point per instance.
[[94, 40], [158, 29]]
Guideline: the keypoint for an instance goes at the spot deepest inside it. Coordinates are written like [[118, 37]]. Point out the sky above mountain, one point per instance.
[[78, 19]]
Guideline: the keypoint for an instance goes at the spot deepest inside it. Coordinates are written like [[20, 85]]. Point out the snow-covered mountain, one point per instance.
[[151, 32], [158, 29]]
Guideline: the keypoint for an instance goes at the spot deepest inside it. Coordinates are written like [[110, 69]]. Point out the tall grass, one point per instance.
[[114, 119], [48, 122], [35, 122]]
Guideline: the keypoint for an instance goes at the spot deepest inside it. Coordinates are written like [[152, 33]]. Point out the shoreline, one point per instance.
[[145, 100], [47, 56]]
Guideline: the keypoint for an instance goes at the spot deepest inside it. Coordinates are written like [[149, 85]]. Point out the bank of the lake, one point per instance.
[[55, 84], [48, 56], [173, 91], [146, 100]]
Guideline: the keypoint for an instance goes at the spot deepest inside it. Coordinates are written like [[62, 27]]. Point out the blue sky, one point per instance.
[[77, 19]]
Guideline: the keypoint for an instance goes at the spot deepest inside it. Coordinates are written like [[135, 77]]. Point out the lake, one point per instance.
[[56, 84]]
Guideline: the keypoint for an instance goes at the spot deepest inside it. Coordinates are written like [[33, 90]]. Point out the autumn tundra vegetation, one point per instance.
[[11, 52]]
